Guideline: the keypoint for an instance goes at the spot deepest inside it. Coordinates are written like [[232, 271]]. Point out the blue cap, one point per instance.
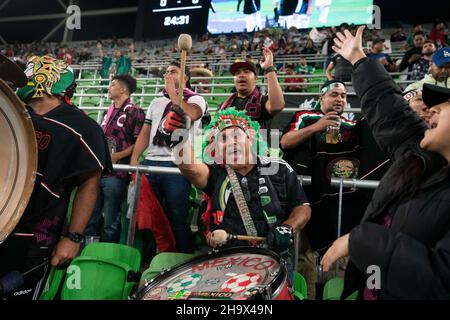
[[441, 56]]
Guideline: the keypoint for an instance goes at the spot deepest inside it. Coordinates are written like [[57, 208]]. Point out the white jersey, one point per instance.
[[154, 115]]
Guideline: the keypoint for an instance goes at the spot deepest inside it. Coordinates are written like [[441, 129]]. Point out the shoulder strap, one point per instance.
[[241, 203]]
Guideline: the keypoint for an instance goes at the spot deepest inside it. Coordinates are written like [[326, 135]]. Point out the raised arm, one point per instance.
[[393, 123], [196, 172], [328, 71], [276, 103]]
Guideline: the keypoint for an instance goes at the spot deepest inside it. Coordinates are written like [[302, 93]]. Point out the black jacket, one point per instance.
[[414, 253]]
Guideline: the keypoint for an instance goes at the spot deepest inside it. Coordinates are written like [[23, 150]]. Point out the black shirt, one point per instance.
[[262, 116], [224, 211], [69, 144]]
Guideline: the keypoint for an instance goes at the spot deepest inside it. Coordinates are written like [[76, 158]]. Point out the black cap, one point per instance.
[[433, 95]]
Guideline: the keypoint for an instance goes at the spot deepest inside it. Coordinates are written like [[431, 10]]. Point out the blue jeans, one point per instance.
[[105, 220], [172, 192]]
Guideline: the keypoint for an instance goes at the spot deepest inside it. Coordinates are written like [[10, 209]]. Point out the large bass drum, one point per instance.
[[241, 273], [18, 159]]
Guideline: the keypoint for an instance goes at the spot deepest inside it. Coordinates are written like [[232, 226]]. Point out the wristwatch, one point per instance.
[[270, 69], [75, 237]]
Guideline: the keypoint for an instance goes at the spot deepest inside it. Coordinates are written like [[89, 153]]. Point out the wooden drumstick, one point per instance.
[[221, 236], [184, 44]]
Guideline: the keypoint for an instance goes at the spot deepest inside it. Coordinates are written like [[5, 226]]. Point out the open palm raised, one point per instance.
[[349, 46]]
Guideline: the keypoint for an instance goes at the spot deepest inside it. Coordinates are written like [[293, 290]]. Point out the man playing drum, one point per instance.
[[267, 200]]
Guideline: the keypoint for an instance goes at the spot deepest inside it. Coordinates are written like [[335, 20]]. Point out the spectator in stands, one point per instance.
[[121, 124], [413, 55], [309, 48], [248, 96], [173, 189], [342, 69], [398, 35], [439, 71], [72, 153], [417, 28], [383, 58], [289, 69], [420, 68], [439, 34], [117, 64], [304, 67], [325, 144], [405, 231], [415, 100], [234, 164]]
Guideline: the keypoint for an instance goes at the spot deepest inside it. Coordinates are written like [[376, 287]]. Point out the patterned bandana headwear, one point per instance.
[[46, 75], [228, 118], [331, 85]]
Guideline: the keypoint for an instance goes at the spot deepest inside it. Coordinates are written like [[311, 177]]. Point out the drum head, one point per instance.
[[230, 274], [18, 159]]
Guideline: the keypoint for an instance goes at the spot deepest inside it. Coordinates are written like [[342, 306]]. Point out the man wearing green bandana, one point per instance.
[[72, 152], [272, 204]]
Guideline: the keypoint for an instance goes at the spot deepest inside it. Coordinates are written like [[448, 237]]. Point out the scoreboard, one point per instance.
[[169, 18]]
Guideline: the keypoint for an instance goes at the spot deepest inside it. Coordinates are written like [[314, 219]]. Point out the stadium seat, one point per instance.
[[53, 284], [107, 271], [162, 261], [333, 290], [300, 287]]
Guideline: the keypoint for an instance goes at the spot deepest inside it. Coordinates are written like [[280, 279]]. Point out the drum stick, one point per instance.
[[184, 44], [222, 237], [247, 238]]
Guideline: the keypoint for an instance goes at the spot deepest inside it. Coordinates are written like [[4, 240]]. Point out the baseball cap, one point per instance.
[[433, 95], [441, 56], [242, 65]]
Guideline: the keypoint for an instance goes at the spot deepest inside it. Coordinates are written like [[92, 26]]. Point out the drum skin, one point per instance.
[[18, 159], [240, 273]]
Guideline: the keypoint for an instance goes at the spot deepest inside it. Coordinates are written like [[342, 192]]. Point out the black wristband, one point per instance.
[[74, 236], [270, 69]]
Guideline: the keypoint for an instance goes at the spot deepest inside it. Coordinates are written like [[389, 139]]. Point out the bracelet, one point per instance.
[[270, 69]]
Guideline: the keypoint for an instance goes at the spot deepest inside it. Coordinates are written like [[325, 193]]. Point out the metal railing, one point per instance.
[[304, 180]]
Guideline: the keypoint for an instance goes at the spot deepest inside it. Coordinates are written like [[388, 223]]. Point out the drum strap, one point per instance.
[[241, 203]]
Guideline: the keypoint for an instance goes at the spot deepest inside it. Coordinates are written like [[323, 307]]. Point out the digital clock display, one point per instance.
[[168, 18]]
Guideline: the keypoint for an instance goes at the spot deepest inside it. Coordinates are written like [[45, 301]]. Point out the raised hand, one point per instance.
[[267, 59], [349, 46]]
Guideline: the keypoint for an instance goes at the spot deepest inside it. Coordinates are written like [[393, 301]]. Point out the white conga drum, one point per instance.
[[18, 159]]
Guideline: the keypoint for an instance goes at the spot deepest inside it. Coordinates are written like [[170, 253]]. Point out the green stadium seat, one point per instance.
[[107, 272], [53, 283], [333, 290], [300, 287]]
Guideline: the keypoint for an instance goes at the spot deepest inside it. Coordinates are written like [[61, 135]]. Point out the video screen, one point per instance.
[[227, 16]]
